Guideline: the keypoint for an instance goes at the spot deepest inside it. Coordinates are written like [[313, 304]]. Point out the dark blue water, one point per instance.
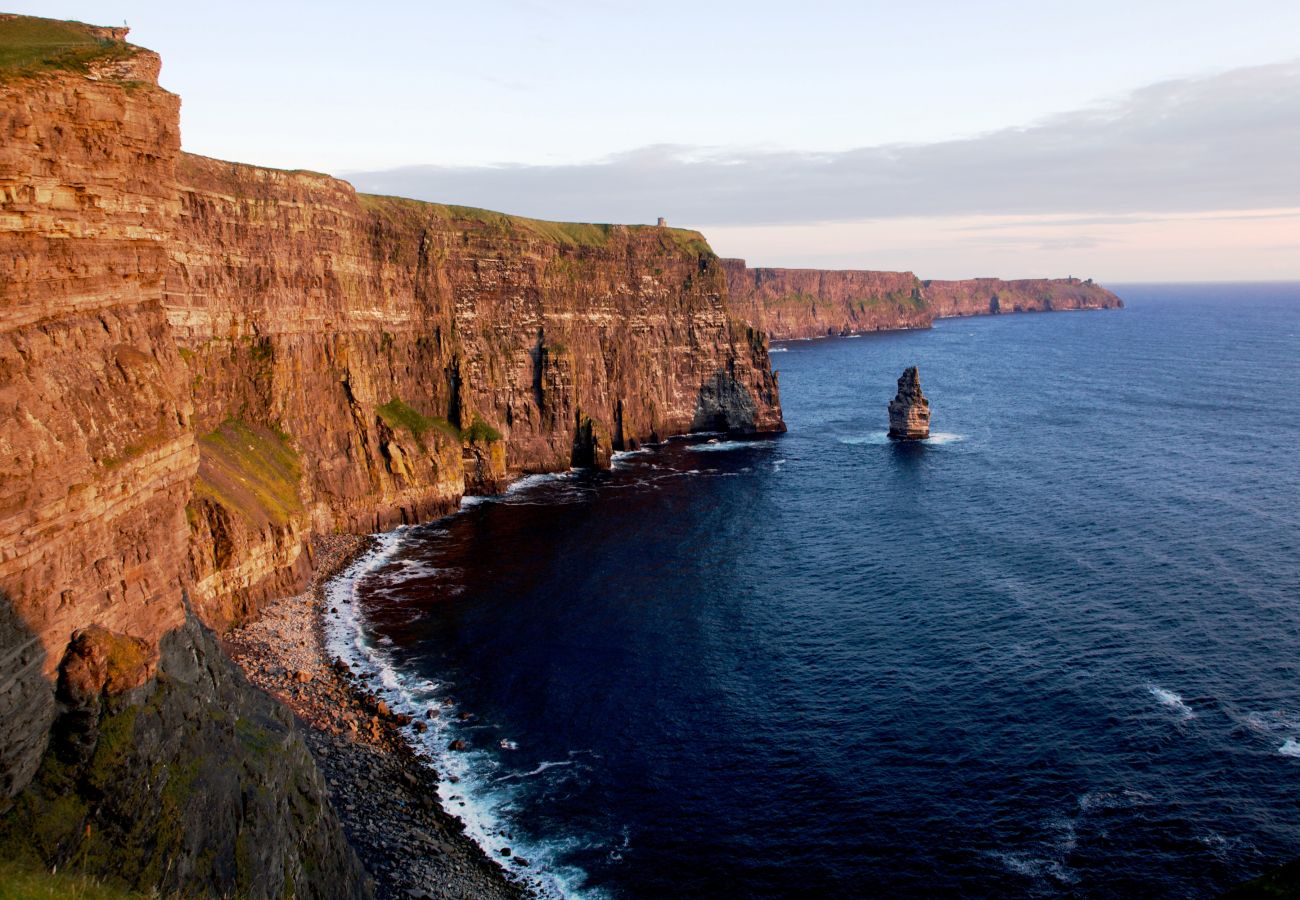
[[1054, 651]]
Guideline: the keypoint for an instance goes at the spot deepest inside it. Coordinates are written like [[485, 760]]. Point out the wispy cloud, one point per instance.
[[1227, 141]]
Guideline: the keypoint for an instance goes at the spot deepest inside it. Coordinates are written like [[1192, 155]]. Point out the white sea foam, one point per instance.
[[532, 481], [1121, 799], [779, 350], [479, 800], [1036, 867], [875, 438], [1171, 700], [1290, 747], [718, 446], [542, 767], [1271, 721], [944, 437]]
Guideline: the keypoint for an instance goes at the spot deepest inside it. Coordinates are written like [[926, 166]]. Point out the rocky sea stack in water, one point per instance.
[[909, 411]]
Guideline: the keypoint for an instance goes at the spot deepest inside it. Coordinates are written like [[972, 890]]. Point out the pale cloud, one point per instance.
[[1209, 246], [1224, 142]]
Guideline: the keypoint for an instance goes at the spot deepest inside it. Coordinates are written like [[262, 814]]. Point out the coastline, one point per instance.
[[384, 794]]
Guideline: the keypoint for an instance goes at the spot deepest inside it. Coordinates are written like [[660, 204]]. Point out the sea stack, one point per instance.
[[909, 411]]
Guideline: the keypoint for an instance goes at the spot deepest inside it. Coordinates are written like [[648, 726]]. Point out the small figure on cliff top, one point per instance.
[[909, 411]]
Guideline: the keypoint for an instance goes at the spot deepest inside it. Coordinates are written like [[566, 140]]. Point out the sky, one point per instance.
[[1126, 141]]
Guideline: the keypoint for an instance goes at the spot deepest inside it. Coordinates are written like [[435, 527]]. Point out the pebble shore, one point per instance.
[[385, 795]]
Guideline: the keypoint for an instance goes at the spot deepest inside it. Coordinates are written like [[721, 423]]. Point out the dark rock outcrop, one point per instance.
[[189, 782], [909, 411]]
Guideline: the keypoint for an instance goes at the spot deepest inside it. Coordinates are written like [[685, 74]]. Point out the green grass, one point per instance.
[[565, 234], [32, 46], [28, 882], [250, 469], [396, 414], [480, 431]]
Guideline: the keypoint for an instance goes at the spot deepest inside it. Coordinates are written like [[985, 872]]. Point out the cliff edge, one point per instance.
[[202, 364], [796, 304]]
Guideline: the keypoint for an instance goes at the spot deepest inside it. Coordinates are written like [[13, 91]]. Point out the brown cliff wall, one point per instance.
[[359, 338], [98, 458], [96, 449], [793, 304], [993, 296], [203, 363]]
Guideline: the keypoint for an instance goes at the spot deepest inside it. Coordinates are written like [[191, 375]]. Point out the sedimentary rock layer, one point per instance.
[[792, 304], [382, 356], [909, 411], [203, 363], [995, 296]]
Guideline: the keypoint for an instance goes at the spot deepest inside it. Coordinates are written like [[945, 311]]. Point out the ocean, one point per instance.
[[1055, 650]]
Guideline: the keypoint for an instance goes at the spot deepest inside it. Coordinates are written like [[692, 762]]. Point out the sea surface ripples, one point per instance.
[[1053, 651]]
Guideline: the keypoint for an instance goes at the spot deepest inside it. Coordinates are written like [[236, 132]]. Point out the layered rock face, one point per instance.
[[96, 449], [99, 460], [367, 360], [994, 296], [793, 304], [909, 411], [202, 364], [796, 304]]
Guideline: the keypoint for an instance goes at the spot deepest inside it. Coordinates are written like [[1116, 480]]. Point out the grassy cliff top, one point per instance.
[[33, 46], [570, 234]]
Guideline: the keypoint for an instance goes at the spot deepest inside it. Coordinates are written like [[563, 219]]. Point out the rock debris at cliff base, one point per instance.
[[385, 796]]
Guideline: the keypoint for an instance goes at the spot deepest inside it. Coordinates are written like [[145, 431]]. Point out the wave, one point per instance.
[[1171, 700], [719, 446], [469, 787], [1290, 747], [779, 350], [1121, 799], [531, 481], [881, 438], [541, 767]]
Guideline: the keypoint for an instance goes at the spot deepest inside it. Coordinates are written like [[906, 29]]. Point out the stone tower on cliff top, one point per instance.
[[909, 411]]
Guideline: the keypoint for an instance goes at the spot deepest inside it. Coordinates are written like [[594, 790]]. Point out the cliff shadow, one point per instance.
[[724, 404], [27, 708]]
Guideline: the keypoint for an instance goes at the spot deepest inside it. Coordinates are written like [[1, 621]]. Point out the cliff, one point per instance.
[[364, 361], [201, 365], [793, 304], [994, 296]]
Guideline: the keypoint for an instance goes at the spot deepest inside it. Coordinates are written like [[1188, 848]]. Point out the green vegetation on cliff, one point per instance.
[[250, 469], [31, 882], [396, 414], [31, 46], [565, 234], [480, 431]]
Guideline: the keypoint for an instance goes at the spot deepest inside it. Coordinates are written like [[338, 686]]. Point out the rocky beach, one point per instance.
[[386, 796]]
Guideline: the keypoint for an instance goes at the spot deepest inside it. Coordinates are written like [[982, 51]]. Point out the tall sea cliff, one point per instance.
[[795, 304], [203, 364]]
